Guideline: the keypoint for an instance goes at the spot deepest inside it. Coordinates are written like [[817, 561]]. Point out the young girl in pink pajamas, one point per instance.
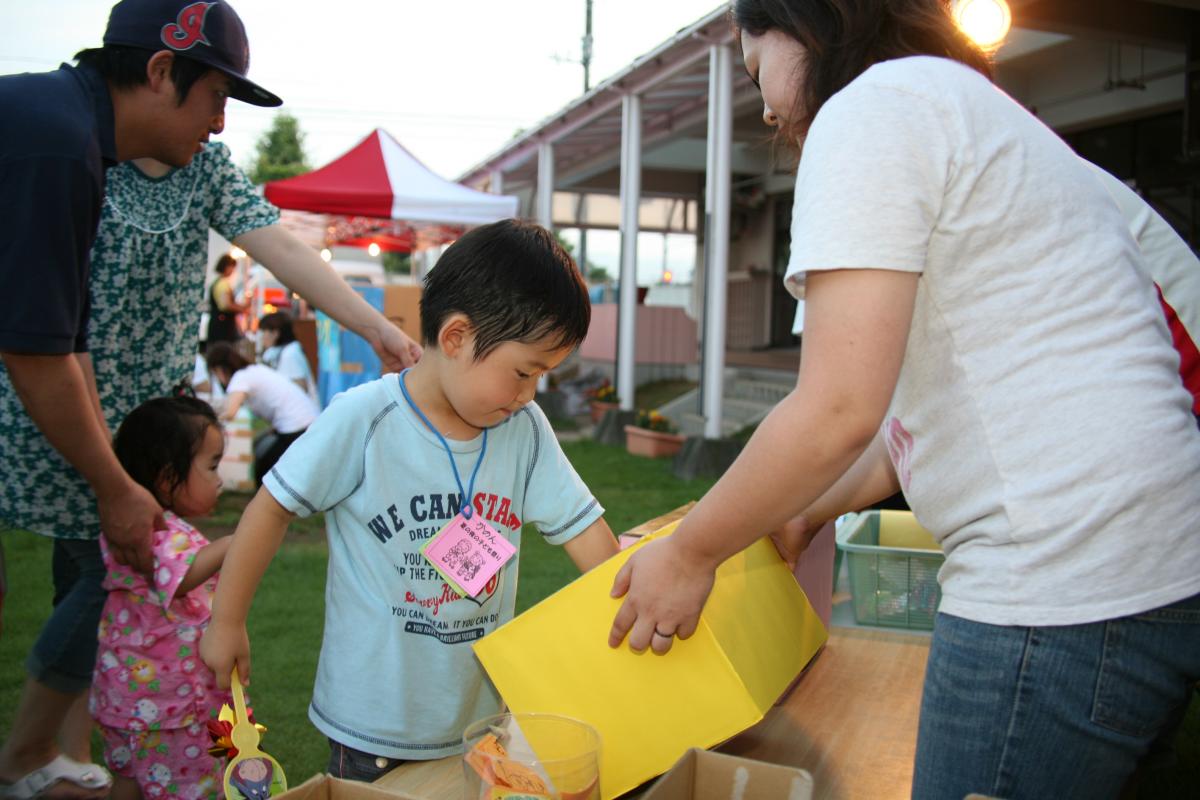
[[151, 693]]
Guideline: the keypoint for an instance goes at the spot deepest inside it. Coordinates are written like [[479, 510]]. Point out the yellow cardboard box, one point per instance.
[[756, 634], [703, 775]]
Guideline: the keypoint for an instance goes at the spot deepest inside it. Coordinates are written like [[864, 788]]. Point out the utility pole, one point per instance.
[[586, 59]]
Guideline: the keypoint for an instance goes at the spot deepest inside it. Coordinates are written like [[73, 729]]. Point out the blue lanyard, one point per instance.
[[468, 496]]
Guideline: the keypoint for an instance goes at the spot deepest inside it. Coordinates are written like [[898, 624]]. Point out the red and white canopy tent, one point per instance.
[[380, 193]]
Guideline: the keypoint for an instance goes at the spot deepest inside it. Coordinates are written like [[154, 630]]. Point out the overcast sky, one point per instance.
[[453, 80]]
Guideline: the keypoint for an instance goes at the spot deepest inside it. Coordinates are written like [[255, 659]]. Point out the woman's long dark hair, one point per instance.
[[843, 38], [281, 323]]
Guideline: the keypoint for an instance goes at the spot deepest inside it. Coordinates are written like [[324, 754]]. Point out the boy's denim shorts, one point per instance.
[[355, 765]]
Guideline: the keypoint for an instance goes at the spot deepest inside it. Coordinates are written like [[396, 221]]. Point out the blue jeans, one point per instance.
[[65, 651], [1063, 712]]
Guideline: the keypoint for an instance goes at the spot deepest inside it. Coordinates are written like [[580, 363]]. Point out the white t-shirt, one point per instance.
[[283, 404], [1038, 427], [1174, 269], [290, 361], [397, 676]]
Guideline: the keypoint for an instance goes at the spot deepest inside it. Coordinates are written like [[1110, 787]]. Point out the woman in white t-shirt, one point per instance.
[[282, 353], [271, 397], [980, 333]]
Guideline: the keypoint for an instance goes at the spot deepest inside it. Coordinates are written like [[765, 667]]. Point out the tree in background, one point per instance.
[[397, 263], [593, 273], [280, 151]]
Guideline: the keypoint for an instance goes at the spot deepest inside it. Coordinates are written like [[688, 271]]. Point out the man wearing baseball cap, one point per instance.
[[157, 88]]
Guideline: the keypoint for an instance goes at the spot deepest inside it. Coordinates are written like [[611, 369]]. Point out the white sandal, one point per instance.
[[62, 768]]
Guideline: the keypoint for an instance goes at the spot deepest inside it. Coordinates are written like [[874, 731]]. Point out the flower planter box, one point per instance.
[[599, 408], [652, 444]]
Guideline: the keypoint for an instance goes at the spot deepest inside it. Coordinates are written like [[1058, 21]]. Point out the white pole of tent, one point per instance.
[[496, 185], [545, 209], [720, 148], [631, 192]]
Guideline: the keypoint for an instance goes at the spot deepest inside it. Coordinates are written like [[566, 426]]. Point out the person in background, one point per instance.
[[156, 89], [223, 307], [393, 461], [282, 353], [982, 333], [271, 397]]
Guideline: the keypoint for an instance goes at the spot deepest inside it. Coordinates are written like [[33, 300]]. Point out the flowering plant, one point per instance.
[[606, 394], [654, 421]]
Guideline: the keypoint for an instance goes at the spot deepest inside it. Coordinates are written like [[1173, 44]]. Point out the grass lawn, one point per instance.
[[286, 621]]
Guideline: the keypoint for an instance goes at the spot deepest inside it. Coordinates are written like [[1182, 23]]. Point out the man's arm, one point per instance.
[[59, 395], [304, 272]]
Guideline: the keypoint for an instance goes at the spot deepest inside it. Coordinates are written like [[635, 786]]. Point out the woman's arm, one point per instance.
[[871, 479], [856, 329], [232, 403], [592, 547], [253, 545], [303, 271], [206, 564]]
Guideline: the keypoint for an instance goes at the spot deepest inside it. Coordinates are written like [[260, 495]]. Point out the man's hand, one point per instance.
[[129, 515], [395, 348]]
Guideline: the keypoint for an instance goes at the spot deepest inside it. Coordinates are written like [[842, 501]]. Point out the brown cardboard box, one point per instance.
[[704, 775], [402, 305], [326, 787]]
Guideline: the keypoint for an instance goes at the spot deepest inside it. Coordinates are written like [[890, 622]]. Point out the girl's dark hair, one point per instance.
[[125, 67], [281, 323], [843, 38], [224, 354], [514, 282], [224, 261], [158, 440]]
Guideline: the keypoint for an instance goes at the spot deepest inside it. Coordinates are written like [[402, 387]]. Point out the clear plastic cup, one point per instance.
[[545, 756]]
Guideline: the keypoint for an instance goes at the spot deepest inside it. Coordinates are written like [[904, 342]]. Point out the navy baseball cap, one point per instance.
[[207, 31]]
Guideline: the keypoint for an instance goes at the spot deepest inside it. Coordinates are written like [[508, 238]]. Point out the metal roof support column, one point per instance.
[[545, 209], [631, 194], [716, 234]]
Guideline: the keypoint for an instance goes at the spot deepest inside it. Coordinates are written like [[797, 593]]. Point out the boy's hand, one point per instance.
[[222, 647]]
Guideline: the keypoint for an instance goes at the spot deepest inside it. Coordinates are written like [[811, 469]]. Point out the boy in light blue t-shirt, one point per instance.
[[389, 462]]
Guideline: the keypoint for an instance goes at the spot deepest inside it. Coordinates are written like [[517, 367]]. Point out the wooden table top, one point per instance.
[[851, 719]]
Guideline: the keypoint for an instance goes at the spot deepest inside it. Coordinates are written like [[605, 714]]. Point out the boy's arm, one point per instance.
[[592, 547], [206, 563], [254, 544]]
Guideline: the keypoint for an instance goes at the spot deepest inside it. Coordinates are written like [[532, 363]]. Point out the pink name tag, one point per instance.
[[467, 553]]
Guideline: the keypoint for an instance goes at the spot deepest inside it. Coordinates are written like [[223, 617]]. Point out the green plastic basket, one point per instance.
[[894, 587]]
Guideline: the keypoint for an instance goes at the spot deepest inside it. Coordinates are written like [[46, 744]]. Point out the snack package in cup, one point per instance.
[[500, 770]]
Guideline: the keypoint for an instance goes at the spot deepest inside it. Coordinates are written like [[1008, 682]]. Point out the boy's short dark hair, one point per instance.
[[514, 282], [125, 68], [159, 439]]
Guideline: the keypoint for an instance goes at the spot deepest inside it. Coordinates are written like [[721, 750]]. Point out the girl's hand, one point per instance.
[[665, 587], [224, 645]]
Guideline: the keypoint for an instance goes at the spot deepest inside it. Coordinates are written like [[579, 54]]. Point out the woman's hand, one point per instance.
[[794, 538], [665, 587]]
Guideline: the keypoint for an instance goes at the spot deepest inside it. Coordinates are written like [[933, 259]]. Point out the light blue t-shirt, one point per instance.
[[397, 676]]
